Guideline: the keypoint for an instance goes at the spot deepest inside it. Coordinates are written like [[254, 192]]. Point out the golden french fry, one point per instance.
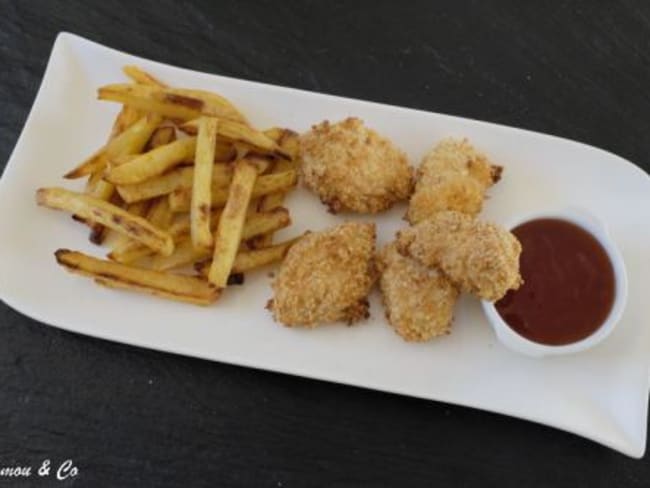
[[138, 209], [99, 188], [261, 223], [171, 102], [103, 190], [93, 181], [241, 149], [120, 160], [152, 163], [231, 223], [91, 186], [157, 186], [185, 253], [107, 214], [170, 181], [274, 133], [249, 260], [179, 230], [159, 214], [131, 141], [257, 258], [224, 152], [240, 133], [129, 251], [202, 183], [142, 77], [128, 286], [180, 198], [160, 137], [184, 288], [286, 139], [271, 201], [125, 119]]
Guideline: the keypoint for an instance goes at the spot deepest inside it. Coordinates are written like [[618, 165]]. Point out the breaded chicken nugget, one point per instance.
[[326, 277], [452, 176], [479, 257], [351, 167], [419, 301]]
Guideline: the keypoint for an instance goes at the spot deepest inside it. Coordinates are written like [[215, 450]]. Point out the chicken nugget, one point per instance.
[[452, 176], [479, 257], [352, 168], [326, 277], [419, 301]]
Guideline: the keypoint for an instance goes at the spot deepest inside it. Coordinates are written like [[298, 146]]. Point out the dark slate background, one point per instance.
[[131, 417]]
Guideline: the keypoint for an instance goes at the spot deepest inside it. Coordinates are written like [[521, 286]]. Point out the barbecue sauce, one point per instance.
[[569, 284]]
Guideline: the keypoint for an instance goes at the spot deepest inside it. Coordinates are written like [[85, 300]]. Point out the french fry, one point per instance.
[[138, 209], [102, 190], [231, 223], [257, 258], [249, 260], [142, 77], [107, 214], [125, 119], [238, 132], [159, 214], [129, 251], [160, 137], [119, 161], [271, 201], [180, 198], [211, 196], [202, 183], [178, 287], [173, 103], [287, 139], [224, 151], [185, 253], [181, 226], [170, 181], [261, 223], [152, 163], [179, 230], [274, 133], [131, 141], [157, 186], [92, 185], [203, 299]]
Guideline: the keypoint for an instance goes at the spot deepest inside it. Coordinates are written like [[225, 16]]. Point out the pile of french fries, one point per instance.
[[184, 182]]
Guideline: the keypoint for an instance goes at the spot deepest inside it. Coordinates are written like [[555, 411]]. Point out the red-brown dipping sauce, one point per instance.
[[569, 283]]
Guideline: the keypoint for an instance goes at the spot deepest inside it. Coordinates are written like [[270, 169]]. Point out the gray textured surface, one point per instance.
[[130, 417]]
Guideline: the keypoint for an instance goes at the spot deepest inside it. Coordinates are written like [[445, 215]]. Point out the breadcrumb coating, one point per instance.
[[352, 168], [479, 257], [326, 277], [419, 301], [452, 176]]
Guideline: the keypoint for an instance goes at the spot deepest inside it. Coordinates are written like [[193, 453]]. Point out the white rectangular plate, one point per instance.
[[601, 394]]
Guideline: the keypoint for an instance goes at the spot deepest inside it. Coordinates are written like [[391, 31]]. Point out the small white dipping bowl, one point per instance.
[[516, 342]]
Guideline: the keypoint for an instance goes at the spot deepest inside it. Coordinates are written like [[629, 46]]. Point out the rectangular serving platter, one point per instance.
[[601, 394]]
